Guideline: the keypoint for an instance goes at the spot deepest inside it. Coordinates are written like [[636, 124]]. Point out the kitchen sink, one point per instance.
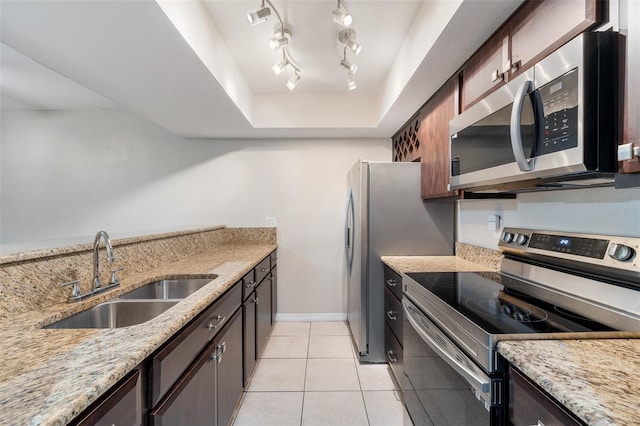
[[168, 289], [115, 314]]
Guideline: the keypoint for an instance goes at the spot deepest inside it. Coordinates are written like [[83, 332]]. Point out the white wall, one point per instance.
[[594, 210], [68, 174]]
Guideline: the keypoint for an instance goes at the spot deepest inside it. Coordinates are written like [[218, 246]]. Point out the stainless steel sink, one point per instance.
[[168, 289], [115, 314]]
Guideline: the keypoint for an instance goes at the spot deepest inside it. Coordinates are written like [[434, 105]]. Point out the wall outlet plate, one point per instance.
[[271, 221]]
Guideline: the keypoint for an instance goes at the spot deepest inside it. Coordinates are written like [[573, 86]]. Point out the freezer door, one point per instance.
[[357, 307]]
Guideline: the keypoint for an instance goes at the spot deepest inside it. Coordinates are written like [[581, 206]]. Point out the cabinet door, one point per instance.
[[274, 294], [263, 320], [487, 69], [229, 370], [249, 324], [192, 400], [122, 405], [540, 27], [528, 405], [631, 132], [434, 142]]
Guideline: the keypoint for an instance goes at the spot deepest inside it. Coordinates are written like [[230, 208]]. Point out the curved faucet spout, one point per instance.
[[96, 246]]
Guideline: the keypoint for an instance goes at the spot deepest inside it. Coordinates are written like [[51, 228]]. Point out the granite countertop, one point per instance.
[[594, 379], [404, 264], [49, 376]]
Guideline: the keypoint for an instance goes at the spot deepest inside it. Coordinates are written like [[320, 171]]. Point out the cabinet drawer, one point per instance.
[[393, 313], [171, 361], [263, 268], [529, 405], [274, 258], [248, 284], [393, 281]]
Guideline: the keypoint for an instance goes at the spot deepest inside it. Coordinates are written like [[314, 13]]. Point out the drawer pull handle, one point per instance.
[[264, 269], [392, 283], [220, 319], [538, 424], [391, 315], [391, 356], [250, 284]]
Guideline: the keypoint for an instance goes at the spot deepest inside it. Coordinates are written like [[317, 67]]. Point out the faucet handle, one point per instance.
[[75, 289], [114, 276]]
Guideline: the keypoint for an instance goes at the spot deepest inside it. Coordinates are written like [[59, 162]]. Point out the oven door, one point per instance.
[[446, 386]]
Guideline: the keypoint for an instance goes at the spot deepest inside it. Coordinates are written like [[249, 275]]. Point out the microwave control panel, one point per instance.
[[559, 99]]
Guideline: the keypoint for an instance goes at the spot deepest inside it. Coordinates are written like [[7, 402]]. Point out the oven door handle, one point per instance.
[[480, 382], [516, 120]]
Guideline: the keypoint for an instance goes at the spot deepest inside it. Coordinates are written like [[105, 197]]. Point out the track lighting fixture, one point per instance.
[[346, 64], [341, 15], [351, 82], [281, 40], [293, 81], [347, 36], [259, 15]]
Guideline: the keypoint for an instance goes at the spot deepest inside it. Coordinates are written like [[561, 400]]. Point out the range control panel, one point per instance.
[[615, 251]]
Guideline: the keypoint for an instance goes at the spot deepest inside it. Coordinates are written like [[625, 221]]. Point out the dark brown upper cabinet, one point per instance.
[[535, 30]]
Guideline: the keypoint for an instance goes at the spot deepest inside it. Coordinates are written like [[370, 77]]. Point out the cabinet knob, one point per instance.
[[392, 315]]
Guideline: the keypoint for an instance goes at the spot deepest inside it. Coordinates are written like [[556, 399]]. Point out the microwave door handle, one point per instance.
[[516, 137]]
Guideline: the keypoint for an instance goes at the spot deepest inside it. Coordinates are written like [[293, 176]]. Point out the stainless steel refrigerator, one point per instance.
[[386, 216]]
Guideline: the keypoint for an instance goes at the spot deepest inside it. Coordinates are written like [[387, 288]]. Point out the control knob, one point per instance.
[[507, 237], [522, 239], [620, 252]]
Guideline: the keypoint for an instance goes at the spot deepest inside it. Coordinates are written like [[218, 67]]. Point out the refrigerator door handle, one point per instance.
[[349, 228]]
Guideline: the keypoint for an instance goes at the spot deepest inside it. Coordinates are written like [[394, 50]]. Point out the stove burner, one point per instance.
[[496, 308]]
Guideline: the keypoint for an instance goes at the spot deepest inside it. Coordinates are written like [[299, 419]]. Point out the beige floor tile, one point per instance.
[[333, 409], [270, 409], [375, 377], [329, 328], [331, 375], [330, 347], [286, 347], [279, 375], [384, 408], [291, 329]]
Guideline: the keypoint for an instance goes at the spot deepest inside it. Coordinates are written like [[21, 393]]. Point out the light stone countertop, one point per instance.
[[595, 379], [49, 376]]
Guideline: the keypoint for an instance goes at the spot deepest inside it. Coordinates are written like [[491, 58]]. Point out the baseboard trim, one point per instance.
[[311, 317]]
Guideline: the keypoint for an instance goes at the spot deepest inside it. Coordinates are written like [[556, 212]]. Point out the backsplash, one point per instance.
[[31, 280]]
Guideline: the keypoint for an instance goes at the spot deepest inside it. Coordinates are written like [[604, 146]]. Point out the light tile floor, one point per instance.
[[309, 375]]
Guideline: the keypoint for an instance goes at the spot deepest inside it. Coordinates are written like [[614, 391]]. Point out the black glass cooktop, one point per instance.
[[500, 304]]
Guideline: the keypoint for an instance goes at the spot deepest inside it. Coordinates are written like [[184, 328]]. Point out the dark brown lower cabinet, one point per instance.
[[122, 405], [274, 293], [249, 323], [263, 314], [211, 387], [530, 405]]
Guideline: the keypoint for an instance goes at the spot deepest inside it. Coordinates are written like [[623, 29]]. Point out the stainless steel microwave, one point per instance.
[[556, 121]]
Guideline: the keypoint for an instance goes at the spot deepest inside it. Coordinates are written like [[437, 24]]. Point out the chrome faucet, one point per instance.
[[96, 267]]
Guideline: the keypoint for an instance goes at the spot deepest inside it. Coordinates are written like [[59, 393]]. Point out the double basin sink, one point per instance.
[[135, 307]]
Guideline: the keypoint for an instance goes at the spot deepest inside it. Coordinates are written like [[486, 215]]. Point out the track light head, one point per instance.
[[346, 64], [351, 82], [259, 15], [347, 37], [280, 38], [279, 67], [293, 81], [342, 17]]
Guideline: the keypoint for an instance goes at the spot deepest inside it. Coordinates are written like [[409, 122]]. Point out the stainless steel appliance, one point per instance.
[[386, 216], [556, 121], [552, 285]]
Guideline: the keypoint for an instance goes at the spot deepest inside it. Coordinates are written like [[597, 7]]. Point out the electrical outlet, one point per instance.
[[494, 223], [271, 221]]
